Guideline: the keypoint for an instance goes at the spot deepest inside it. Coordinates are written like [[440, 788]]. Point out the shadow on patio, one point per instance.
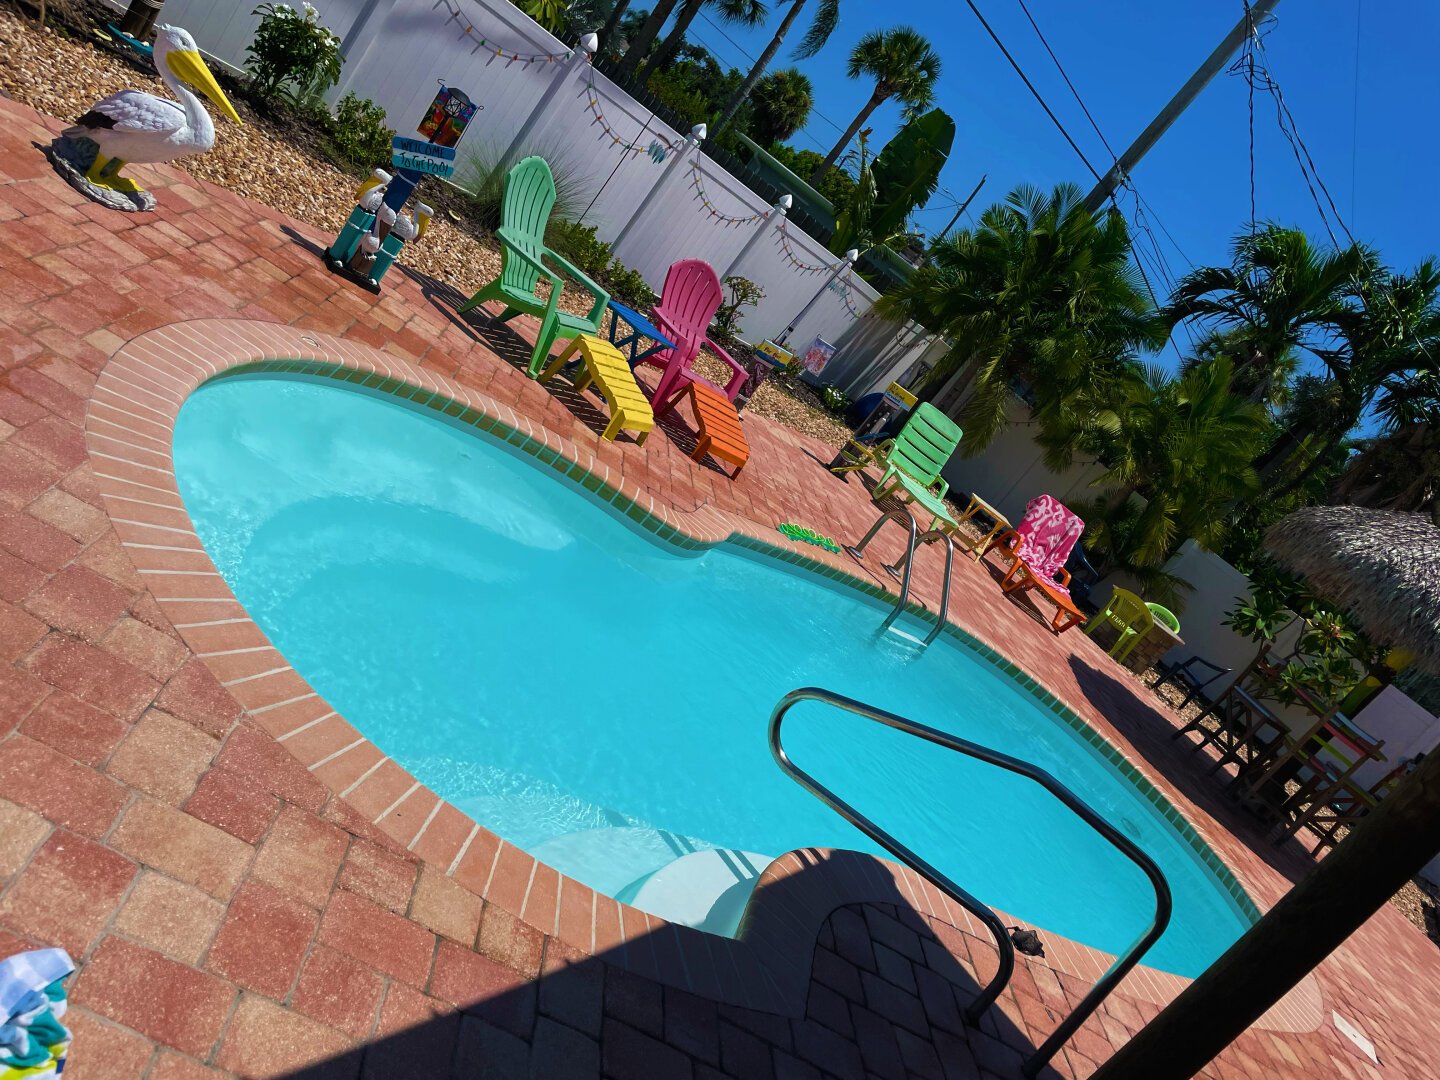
[[883, 997]]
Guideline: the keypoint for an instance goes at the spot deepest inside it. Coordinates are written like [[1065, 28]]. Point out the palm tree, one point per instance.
[[639, 45], [1279, 296], [740, 12], [782, 102], [1399, 469], [827, 17], [903, 65], [1185, 444], [1042, 296], [612, 24]]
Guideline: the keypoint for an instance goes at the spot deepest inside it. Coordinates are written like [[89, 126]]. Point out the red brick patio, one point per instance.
[[234, 914]]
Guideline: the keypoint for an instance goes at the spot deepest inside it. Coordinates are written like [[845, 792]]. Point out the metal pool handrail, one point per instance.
[[1117, 970], [904, 517]]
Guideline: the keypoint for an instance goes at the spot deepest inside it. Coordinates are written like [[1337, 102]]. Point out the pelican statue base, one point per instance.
[[375, 232], [132, 126]]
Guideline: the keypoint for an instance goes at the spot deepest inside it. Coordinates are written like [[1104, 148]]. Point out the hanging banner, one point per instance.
[[447, 116]]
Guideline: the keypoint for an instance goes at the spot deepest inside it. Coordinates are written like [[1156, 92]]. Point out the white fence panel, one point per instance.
[[224, 29], [591, 130]]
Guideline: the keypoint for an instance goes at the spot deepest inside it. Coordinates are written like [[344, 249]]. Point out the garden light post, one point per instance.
[[578, 59], [697, 136], [841, 267], [781, 208]]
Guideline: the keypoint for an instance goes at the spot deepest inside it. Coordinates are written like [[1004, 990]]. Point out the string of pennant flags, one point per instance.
[[658, 148], [697, 181], [789, 253], [467, 30]]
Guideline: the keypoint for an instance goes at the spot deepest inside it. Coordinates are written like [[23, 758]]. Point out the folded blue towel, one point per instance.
[[29, 973]]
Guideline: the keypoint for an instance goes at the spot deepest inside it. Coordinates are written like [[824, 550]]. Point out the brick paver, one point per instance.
[[234, 916]]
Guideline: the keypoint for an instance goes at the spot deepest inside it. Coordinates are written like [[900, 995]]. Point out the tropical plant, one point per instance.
[[1399, 468], [482, 172], [744, 13], [548, 13], [639, 43], [580, 245], [902, 178], [743, 293], [904, 66], [1041, 296], [627, 286], [1111, 532], [1280, 295], [837, 186], [782, 101], [1184, 443], [610, 30], [359, 132], [1260, 616], [827, 17], [292, 55]]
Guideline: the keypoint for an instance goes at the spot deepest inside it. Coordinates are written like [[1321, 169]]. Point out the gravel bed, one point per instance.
[[61, 73]]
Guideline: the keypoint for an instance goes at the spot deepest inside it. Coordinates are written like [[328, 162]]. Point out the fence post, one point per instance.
[[697, 136], [357, 41], [578, 58], [781, 207], [843, 265]]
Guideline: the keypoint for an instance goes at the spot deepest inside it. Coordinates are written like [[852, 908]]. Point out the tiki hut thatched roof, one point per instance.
[[1381, 566]]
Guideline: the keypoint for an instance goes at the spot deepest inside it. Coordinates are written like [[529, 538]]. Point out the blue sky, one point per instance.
[[1371, 137]]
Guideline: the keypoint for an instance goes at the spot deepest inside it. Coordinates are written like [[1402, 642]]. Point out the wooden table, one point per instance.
[[982, 545], [604, 364]]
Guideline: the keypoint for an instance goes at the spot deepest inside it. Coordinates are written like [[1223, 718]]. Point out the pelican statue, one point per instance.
[[136, 127]]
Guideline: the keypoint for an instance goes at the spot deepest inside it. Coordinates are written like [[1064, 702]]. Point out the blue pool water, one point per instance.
[[601, 699]]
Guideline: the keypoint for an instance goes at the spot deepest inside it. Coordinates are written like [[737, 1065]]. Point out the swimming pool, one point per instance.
[[601, 699]]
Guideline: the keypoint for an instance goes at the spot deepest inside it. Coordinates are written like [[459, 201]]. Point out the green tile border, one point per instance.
[[467, 416]]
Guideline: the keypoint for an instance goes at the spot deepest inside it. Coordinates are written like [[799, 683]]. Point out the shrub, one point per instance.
[[482, 179], [292, 54], [628, 286], [359, 132], [743, 293], [579, 244], [834, 399]]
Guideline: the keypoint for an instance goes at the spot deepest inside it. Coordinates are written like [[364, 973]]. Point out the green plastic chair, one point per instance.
[[1164, 616], [1130, 616], [524, 211], [914, 460]]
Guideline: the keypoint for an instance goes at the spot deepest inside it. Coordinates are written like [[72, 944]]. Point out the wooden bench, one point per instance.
[[720, 435], [604, 364]]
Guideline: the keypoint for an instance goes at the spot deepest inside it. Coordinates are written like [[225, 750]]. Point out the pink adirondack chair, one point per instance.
[[1037, 549], [688, 301]]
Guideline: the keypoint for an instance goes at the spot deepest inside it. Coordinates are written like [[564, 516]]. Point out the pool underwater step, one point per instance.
[[706, 889], [675, 877]]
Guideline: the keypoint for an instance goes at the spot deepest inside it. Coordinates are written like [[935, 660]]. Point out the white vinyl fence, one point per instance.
[[645, 185]]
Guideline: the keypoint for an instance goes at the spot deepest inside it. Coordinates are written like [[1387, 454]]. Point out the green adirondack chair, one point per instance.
[[914, 460], [524, 210]]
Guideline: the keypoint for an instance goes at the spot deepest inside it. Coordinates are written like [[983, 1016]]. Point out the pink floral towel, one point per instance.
[[1048, 533]]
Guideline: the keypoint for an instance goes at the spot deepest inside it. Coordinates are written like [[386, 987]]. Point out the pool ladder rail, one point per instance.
[[902, 567], [1122, 964]]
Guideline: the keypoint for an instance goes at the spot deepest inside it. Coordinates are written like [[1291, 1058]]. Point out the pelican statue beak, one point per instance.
[[189, 67]]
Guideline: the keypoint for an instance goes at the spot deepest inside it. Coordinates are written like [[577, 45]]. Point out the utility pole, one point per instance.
[[963, 207], [1178, 104]]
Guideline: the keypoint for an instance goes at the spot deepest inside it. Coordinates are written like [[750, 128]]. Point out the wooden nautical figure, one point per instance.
[[132, 126]]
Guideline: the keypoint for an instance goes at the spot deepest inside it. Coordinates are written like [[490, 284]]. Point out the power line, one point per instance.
[[1031, 87], [1155, 255], [742, 51], [1064, 75]]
